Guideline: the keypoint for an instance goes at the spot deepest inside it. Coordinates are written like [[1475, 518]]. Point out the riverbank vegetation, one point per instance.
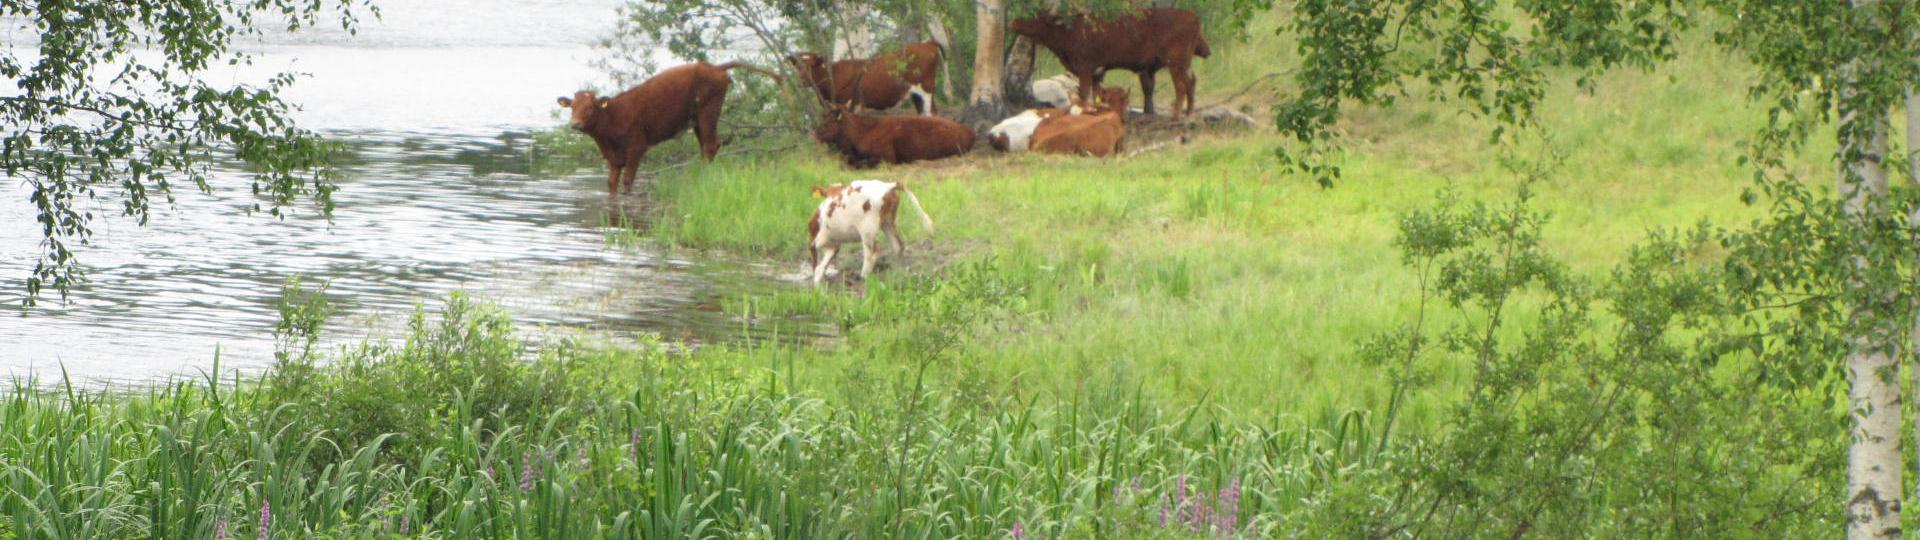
[[1548, 336]]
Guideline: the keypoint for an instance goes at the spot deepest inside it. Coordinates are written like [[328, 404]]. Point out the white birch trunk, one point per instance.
[[856, 34], [937, 29], [1874, 465], [1913, 217], [987, 64]]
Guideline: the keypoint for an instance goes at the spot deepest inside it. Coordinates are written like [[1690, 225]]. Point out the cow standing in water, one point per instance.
[[626, 125]]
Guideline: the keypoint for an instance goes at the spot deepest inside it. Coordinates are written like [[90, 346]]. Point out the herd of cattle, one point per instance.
[[625, 126]]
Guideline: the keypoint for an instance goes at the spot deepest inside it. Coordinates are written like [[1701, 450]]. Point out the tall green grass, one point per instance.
[[643, 445]]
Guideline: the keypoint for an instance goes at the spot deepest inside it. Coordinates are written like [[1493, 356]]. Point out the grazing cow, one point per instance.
[[876, 83], [1098, 133], [857, 212], [626, 125], [1056, 91], [868, 140], [1143, 42]]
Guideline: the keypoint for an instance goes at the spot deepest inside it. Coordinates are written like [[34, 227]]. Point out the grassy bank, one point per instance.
[[1162, 345], [1199, 273]]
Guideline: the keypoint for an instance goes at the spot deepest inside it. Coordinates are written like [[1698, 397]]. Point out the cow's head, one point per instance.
[[584, 105], [808, 64], [1113, 97], [833, 124], [1039, 25]]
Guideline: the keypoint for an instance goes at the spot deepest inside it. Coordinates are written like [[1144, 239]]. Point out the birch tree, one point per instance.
[[986, 101]]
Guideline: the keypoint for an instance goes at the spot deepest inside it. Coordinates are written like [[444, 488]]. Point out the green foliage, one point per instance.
[[93, 115], [466, 365], [647, 446], [1579, 424]]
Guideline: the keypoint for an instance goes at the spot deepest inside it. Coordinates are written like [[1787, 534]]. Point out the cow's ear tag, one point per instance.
[[819, 192], [603, 104]]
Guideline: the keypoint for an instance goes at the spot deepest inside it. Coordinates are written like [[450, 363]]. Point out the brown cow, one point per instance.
[[878, 83], [867, 140], [1097, 133], [1143, 42], [626, 125], [1015, 134]]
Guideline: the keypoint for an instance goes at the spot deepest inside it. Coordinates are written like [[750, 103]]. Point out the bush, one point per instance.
[[415, 390]]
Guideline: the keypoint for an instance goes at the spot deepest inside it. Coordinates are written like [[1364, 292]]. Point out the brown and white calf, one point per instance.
[[860, 211]]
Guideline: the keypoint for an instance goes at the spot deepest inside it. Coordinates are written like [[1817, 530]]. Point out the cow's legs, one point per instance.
[[922, 100], [1183, 82], [1088, 81], [633, 164], [613, 177], [899, 244], [1146, 90], [869, 254], [826, 260]]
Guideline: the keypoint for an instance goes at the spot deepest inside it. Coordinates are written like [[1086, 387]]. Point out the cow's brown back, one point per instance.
[[663, 106]]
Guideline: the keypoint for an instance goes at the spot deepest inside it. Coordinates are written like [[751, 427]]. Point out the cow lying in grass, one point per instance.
[[1015, 134], [1098, 133], [857, 212], [868, 140]]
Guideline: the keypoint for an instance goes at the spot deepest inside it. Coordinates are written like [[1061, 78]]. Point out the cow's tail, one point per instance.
[[750, 67], [1202, 50], [924, 218]]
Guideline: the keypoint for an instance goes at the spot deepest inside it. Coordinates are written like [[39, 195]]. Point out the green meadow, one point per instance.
[[1159, 345]]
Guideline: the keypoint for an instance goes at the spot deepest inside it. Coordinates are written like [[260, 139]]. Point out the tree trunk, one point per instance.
[[1874, 468], [855, 38], [914, 28], [987, 103], [1019, 77], [937, 29], [1873, 461], [1913, 217], [987, 66]]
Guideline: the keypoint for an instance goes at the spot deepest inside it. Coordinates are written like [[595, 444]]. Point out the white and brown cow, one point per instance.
[[860, 211]]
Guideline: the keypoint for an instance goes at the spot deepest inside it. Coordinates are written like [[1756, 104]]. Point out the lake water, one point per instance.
[[437, 101]]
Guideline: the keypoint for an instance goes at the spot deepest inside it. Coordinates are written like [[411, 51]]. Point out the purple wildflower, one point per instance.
[[634, 450], [585, 464], [526, 471], [1229, 519], [266, 517], [1018, 532], [220, 529], [404, 524]]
